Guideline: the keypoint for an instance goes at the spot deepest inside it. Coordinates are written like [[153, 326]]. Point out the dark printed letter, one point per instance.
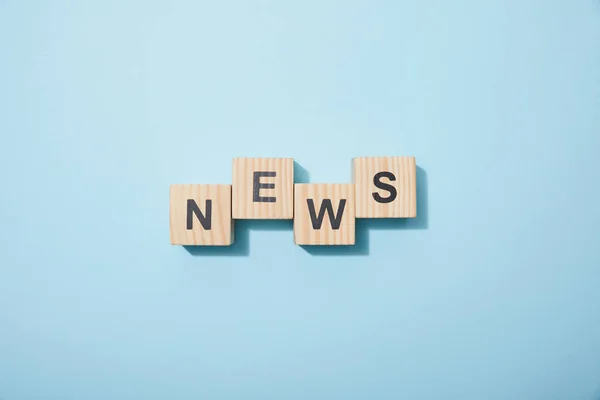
[[385, 186], [317, 221], [258, 186], [205, 220]]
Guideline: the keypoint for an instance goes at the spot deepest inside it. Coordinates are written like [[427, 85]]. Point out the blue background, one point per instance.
[[493, 292]]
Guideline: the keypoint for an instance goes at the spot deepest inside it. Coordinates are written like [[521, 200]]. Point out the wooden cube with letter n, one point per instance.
[[200, 215], [263, 188], [324, 214], [386, 187]]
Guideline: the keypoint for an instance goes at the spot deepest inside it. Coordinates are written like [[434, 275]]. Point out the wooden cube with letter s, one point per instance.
[[386, 187]]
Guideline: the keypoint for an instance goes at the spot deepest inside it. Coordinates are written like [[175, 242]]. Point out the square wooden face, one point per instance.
[[263, 188], [324, 214], [200, 215], [386, 187]]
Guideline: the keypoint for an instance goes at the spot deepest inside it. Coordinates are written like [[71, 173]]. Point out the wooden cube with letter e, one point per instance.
[[200, 215], [324, 214], [386, 187], [263, 188]]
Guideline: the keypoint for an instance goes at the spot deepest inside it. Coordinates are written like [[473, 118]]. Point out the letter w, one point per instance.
[[317, 221]]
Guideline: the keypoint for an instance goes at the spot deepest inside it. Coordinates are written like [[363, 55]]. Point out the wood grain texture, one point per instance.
[[304, 231], [403, 169], [221, 224], [244, 204]]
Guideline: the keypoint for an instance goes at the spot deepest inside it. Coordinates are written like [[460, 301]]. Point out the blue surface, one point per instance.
[[492, 293]]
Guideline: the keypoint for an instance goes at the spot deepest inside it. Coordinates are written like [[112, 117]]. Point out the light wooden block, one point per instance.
[[386, 187], [263, 188], [324, 214], [201, 215]]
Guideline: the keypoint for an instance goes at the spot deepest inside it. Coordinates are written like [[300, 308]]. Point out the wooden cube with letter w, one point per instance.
[[324, 214]]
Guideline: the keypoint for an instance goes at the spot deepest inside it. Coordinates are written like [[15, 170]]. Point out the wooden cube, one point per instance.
[[263, 188], [386, 187], [324, 214], [201, 215]]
